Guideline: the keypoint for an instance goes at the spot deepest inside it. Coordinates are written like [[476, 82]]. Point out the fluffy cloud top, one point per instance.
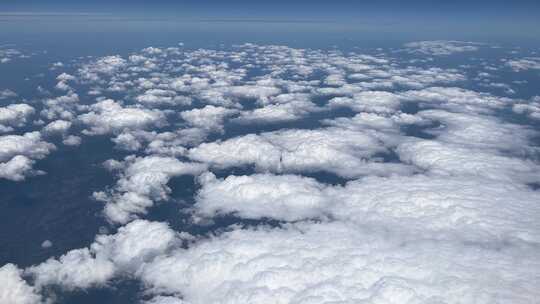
[[110, 255], [14, 115], [339, 151], [18, 152], [531, 63], [442, 47], [323, 263], [109, 116], [435, 200], [13, 289], [142, 182]]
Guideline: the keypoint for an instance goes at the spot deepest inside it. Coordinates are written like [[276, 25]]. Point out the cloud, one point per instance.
[[18, 152], [446, 206], [7, 54], [336, 262], [108, 116], [17, 168], [531, 108], [14, 115], [283, 197], [72, 140], [518, 65], [339, 151], [76, 269], [457, 99], [108, 65], [432, 205], [160, 96], [13, 289], [209, 117], [441, 47], [5, 94], [280, 108], [369, 101], [61, 107], [142, 182], [451, 159], [109, 255], [57, 127]]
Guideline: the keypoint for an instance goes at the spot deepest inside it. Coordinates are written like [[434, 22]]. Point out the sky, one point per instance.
[[495, 18], [281, 8]]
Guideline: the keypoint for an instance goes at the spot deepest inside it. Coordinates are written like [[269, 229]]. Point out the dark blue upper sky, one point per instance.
[[483, 17], [277, 8]]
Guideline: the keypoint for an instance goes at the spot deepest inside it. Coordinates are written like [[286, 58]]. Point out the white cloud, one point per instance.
[[518, 65], [160, 96], [110, 255], [18, 152], [103, 66], [142, 182], [79, 268], [283, 107], [62, 107], [531, 108], [14, 115], [451, 159], [57, 127], [472, 208], [336, 262], [6, 93], [108, 116], [369, 101], [16, 168], [209, 117], [13, 289], [284, 197], [339, 151], [442, 47], [448, 219], [72, 140], [457, 99]]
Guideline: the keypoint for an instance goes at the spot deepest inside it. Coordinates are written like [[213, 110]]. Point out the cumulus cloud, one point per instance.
[[110, 255], [6, 93], [61, 107], [14, 115], [18, 152], [339, 151], [518, 65], [442, 47], [433, 205], [284, 197], [142, 182], [57, 127], [446, 206], [17, 168], [531, 108], [108, 116], [72, 140], [283, 107], [7, 54], [457, 99], [454, 159], [13, 288], [369, 101], [160, 96], [336, 262], [209, 117]]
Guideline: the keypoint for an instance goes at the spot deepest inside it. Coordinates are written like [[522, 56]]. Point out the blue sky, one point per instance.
[[277, 8], [460, 18]]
